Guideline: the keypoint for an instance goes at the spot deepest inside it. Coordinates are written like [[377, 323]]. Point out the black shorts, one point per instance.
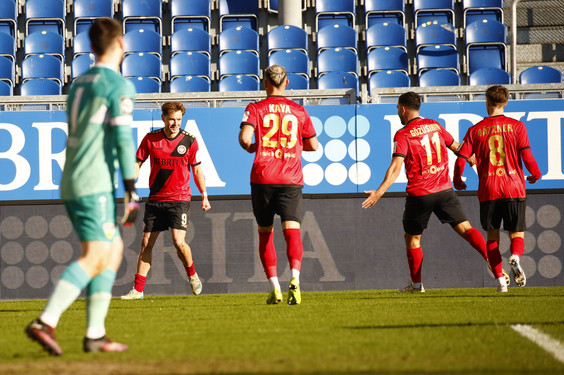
[[160, 216], [511, 211], [444, 204], [268, 200]]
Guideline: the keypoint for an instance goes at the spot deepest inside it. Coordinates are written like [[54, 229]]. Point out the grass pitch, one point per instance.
[[448, 331]]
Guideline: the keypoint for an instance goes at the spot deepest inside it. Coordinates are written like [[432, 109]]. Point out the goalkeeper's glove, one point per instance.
[[130, 202]]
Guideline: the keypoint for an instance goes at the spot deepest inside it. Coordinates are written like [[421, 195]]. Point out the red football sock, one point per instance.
[[190, 271], [140, 282], [294, 247], [517, 246], [415, 259], [476, 240], [267, 253], [494, 258]]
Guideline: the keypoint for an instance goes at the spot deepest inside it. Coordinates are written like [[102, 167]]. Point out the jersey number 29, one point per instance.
[[289, 128]]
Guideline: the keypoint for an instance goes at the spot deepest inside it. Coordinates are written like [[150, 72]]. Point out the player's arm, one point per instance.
[[531, 165], [138, 167], [201, 184], [311, 144], [391, 175], [246, 138]]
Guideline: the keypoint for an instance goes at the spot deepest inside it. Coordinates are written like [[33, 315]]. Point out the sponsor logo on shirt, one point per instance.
[[181, 149]]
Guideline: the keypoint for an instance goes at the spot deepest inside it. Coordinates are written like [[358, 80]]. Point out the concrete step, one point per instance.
[[536, 13], [540, 35], [539, 53]]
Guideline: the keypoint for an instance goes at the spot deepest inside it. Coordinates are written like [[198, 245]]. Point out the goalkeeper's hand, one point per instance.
[[131, 204]]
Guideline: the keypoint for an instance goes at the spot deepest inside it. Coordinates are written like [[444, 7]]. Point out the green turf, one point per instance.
[[442, 331]]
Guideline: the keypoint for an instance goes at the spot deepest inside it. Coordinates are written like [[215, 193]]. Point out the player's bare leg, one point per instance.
[[143, 265], [517, 248], [185, 255], [415, 260]]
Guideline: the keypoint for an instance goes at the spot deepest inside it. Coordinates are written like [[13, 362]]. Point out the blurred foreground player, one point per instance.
[[282, 130], [499, 143], [99, 112], [422, 145]]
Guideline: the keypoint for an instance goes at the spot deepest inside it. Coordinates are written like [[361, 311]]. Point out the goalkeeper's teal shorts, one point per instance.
[[94, 217]]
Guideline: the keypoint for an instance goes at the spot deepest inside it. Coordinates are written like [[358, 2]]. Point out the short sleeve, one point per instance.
[[401, 146], [194, 153], [308, 129], [121, 104], [143, 150], [449, 140], [465, 148], [522, 136], [249, 117]]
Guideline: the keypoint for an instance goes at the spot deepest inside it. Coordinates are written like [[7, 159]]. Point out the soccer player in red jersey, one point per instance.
[[282, 130], [422, 144], [172, 152], [499, 143]]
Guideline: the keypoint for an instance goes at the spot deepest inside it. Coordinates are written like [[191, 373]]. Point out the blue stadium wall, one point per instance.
[[345, 246]]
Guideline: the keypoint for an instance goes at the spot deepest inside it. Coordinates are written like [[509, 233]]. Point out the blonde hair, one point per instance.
[[275, 75]]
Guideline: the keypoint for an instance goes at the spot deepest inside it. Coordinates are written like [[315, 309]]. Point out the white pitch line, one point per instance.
[[555, 347]]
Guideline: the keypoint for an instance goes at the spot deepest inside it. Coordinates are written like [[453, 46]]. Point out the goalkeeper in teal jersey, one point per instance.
[[99, 113]]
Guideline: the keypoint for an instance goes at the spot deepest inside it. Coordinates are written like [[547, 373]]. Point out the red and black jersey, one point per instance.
[[280, 128], [497, 143], [170, 164], [423, 145]]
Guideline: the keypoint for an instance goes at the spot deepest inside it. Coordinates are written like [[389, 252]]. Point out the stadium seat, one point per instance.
[[540, 74], [381, 11], [42, 66], [387, 58], [86, 12], [141, 40], [239, 82], [8, 17], [337, 59], [386, 34], [239, 62], [43, 15], [81, 64], [190, 14], [81, 44], [441, 11], [46, 42], [287, 37], [489, 76], [238, 38], [146, 85], [189, 84], [477, 10], [330, 12], [142, 65], [146, 14], [40, 86], [7, 71], [439, 77], [233, 13], [432, 33], [295, 61], [485, 43], [334, 36], [387, 78], [190, 64], [338, 80], [272, 6], [6, 89], [190, 39], [437, 56], [7, 46], [297, 81]]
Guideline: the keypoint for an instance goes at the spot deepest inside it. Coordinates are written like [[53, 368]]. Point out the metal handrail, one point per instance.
[[514, 40]]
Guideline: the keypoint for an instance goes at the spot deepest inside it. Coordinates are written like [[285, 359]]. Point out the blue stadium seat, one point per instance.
[[81, 44], [42, 66], [337, 59], [238, 38], [441, 11], [387, 78], [45, 15], [439, 77], [233, 13], [190, 39], [86, 12], [387, 58], [6, 89], [295, 61], [7, 71], [142, 65], [333, 36], [338, 80], [146, 85], [287, 37], [297, 81], [477, 10], [190, 14], [485, 45], [540, 74], [40, 86], [386, 34], [381, 11], [489, 76], [141, 40], [330, 12], [189, 84], [239, 62], [8, 17], [46, 42], [437, 56], [240, 82], [146, 14], [7, 46], [190, 64], [432, 33], [81, 64]]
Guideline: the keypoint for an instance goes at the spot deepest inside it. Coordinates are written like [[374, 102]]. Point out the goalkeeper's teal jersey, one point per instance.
[[99, 113]]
